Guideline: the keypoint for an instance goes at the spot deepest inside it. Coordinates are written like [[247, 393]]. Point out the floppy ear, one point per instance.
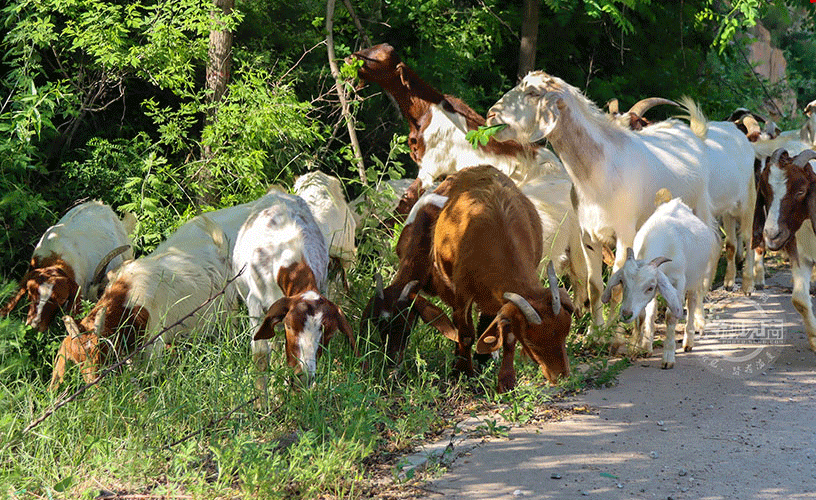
[[493, 336], [805, 157], [401, 71], [274, 315], [614, 280], [13, 302], [344, 326], [548, 111], [669, 293], [759, 213], [435, 317]]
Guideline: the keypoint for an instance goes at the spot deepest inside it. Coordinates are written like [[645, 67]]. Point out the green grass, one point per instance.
[[193, 431]]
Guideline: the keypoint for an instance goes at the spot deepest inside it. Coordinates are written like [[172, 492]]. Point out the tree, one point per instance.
[[529, 37]]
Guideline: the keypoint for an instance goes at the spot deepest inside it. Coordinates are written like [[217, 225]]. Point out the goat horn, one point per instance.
[[612, 106], [524, 306], [657, 261], [556, 293], [774, 159], [630, 253], [645, 105], [378, 285], [802, 158], [99, 321], [99, 272], [407, 290], [71, 326], [751, 124]]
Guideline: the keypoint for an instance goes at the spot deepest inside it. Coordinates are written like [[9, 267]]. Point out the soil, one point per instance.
[[734, 419]]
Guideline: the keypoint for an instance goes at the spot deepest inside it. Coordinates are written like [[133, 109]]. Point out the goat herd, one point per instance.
[[653, 191]]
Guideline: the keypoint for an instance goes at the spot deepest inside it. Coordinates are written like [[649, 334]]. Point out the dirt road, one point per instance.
[[734, 419]]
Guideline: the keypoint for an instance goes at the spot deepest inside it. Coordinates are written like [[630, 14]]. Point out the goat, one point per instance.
[[439, 122], [394, 310], [487, 246], [438, 126], [633, 119], [676, 252], [324, 195], [788, 187], [285, 260], [149, 293], [765, 141], [615, 172], [70, 262], [732, 188]]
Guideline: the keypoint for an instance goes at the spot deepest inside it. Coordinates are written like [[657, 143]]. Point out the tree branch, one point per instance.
[[341, 93]]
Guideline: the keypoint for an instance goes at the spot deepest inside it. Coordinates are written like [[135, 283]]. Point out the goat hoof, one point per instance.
[[687, 348], [667, 365]]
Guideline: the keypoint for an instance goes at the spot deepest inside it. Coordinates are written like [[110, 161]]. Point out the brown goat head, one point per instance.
[[50, 285], [310, 321], [788, 188]]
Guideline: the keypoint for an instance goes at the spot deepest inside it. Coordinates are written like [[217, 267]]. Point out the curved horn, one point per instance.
[[802, 158], [630, 253], [378, 285], [751, 125], [406, 291], [71, 326], [525, 307], [645, 105], [556, 293], [774, 159], [99, 272], [612, 106]]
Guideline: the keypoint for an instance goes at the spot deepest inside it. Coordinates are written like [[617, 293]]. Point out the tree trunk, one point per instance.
[[218, 74], [529, 38]]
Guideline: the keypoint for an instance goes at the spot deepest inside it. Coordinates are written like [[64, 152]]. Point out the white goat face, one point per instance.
[[530, 109], [639, 288]]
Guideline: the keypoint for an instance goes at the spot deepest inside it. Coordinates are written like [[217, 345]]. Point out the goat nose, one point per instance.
[[772, 234], [626, 315]]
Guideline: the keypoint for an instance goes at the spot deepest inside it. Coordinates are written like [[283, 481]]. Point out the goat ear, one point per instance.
[[401, 71], [13, 302], [548, 114], [614, 280], [435, 317], [672, 296], [274, 315], [344, 326], [493, 336]]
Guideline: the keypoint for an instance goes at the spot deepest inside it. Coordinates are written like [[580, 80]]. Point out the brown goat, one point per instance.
[[788, 187], [395, 309], [486, 249]]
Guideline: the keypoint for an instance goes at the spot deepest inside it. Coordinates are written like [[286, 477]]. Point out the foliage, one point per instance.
[[106, 99]]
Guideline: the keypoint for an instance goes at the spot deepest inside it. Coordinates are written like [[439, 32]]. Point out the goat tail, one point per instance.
[[697, 120]]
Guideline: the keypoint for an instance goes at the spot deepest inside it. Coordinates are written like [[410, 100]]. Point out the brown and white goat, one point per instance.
[[285, 261], [150, 293], [395, 309], [788, 187], [438, 124], [70, 262], [487, 247]]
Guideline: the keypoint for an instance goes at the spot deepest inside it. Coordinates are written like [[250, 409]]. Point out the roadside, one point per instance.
[[735, 418]]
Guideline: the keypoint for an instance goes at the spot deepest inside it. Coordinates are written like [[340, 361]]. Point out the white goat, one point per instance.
[[324, 195], [732, 188], [71, 260], [284, 260], [150, 293], [615, 172], [676, 253]]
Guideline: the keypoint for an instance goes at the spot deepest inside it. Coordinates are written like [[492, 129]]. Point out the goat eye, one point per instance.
[[649, 290], [801, 194]]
